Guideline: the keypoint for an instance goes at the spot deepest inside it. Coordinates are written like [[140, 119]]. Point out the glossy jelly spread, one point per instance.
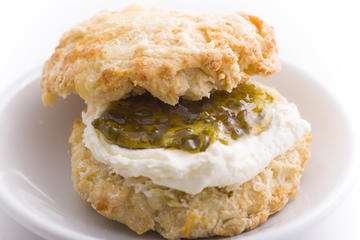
[[143, 121]]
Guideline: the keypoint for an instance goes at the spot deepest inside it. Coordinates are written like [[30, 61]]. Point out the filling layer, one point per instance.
[[221, 164]]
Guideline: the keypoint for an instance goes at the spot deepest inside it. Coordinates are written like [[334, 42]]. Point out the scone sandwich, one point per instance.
[[176, 138]]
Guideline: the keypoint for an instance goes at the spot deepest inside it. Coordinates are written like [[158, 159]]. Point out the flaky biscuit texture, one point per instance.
[[168, 53], [225, 211]]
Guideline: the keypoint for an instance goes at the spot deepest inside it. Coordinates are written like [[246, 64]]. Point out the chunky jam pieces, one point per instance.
[[140, 122]]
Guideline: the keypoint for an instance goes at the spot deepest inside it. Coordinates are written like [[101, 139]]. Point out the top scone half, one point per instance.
[[176, 138], [167, 53]]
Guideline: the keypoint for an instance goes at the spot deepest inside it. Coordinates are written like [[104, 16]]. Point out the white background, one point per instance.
[[321, 37]]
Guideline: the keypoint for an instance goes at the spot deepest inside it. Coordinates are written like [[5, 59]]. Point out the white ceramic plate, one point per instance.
[[35, 183]]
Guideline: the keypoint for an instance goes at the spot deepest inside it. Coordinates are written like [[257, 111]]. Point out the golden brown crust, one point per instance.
[[168, 53], [226, 211]]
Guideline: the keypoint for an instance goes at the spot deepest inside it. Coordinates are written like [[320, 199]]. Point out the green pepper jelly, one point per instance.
[[143, 121]]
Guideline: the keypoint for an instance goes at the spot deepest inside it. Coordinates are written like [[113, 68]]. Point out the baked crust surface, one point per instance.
[[168, 53], [225, 211]]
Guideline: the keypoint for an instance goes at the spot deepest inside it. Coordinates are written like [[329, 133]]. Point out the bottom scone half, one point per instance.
[[191, 200]]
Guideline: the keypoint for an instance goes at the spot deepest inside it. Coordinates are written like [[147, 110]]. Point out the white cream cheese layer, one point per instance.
[[219, 165]]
